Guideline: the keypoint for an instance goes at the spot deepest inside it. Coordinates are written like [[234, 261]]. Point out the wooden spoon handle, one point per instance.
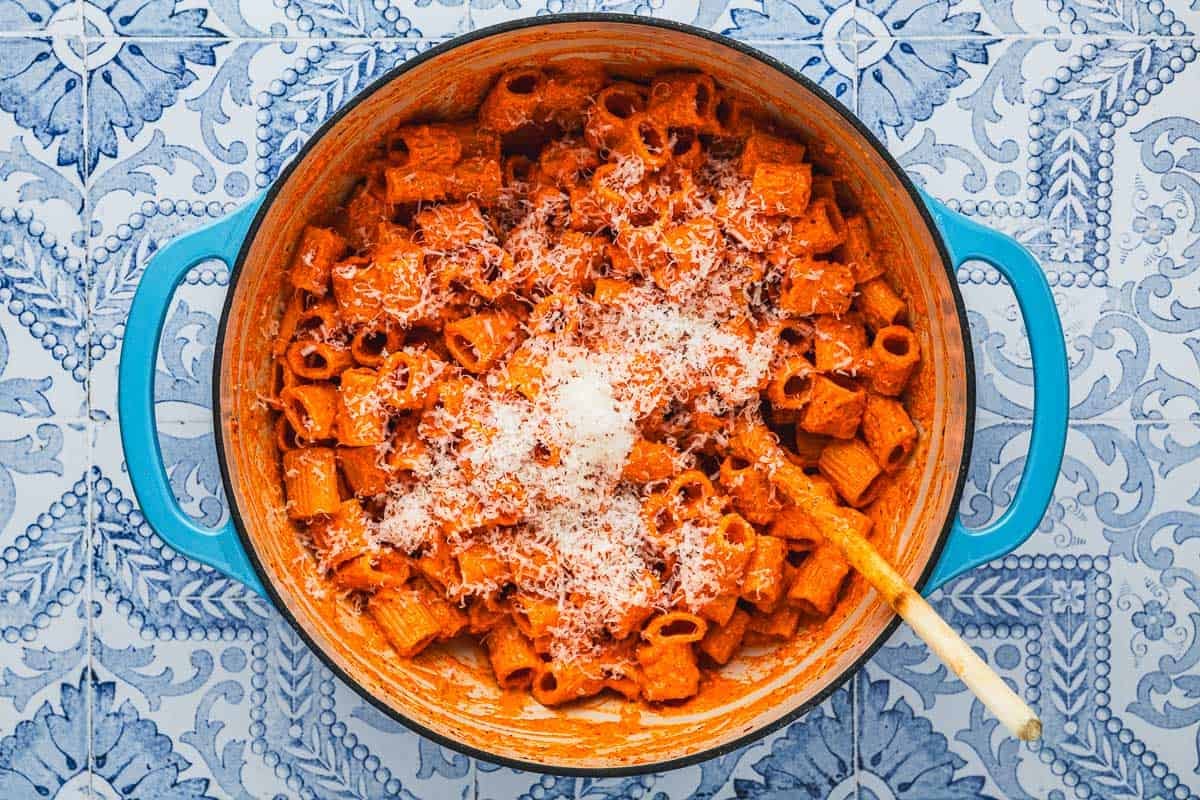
[[846, 528]]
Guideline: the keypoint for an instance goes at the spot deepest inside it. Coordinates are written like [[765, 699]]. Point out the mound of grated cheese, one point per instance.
[[555, 463]]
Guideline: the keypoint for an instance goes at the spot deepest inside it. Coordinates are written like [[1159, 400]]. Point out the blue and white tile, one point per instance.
[[954, 111], [43, 526], [1151, 240], [41, 16], [44, 496], [224, 677], [821, 23], [345, 19], [829, 65], [43, 286], [757, 20], [44, 708], [233, 125], [1154, 641], [173, 19]]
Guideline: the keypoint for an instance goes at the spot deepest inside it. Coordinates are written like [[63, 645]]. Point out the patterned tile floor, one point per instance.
[[128, 671]]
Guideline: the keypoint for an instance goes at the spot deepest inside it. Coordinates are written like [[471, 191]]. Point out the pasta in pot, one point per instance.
[[509, 373]]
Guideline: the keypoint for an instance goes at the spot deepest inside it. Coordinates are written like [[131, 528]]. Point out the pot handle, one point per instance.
[[968, 548], [220, 547]]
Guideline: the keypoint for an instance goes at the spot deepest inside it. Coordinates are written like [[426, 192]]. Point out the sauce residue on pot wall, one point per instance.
[[448, 690]]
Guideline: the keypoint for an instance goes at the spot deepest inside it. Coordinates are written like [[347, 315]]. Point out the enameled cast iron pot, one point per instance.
[[449, 695]]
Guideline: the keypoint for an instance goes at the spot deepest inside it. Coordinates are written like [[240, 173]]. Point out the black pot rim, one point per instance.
[[397, 72]]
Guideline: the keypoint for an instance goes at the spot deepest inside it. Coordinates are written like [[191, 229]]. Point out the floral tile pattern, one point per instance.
[[128, 670]]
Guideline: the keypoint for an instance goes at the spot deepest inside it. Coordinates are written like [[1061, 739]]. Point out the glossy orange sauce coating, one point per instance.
[[442, 688]]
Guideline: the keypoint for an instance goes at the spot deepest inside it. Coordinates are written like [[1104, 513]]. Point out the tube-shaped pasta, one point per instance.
[[818, 228], [374, 341], [893, 357], [808, 447], [483, 571], [567, 96], [720, 608], [644, 587], [477, 179], [762, 583], [588, 214], [477, 142], [371, 571], [608, 291], [608, 122], [650, 461], [692, 495], [534, 615], [287, 323], [479, 341], [365, 211], [685, 99], [483, 615], [524, 370], [311, 409], [310, 477], [782, 189], [674, 627], [448, 227], [765, 148], [732, 545], [438, 565], [791, 383], [851, 468], [410, 184], [795, 336], [318, 361], [750, 489], [285, 435], [816, 287], [432, 147], [669, 671], [408, 378], [687, 151], [879, 303], [452, 620], [315, 255], [561, 682], [407, 622], [818, 581], [856, 250], [571, 263], [365, 470], [514, 661], [555, 315], [362, 418], [835, 407], [888, 431], [564, 163], [796, 528], [778, 623], [342, 536], [407, 449], [839, 343], [393, 283], [720, 642], [695, 246], [514, 101]]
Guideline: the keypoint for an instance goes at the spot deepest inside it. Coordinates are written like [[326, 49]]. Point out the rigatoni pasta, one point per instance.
[[508, 371]]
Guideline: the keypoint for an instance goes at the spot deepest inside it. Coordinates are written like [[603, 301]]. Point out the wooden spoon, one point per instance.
[[842, 526]]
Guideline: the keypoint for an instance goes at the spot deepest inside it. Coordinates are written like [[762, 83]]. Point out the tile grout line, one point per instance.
[[853, 695], [89, 424], [816, 43]]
